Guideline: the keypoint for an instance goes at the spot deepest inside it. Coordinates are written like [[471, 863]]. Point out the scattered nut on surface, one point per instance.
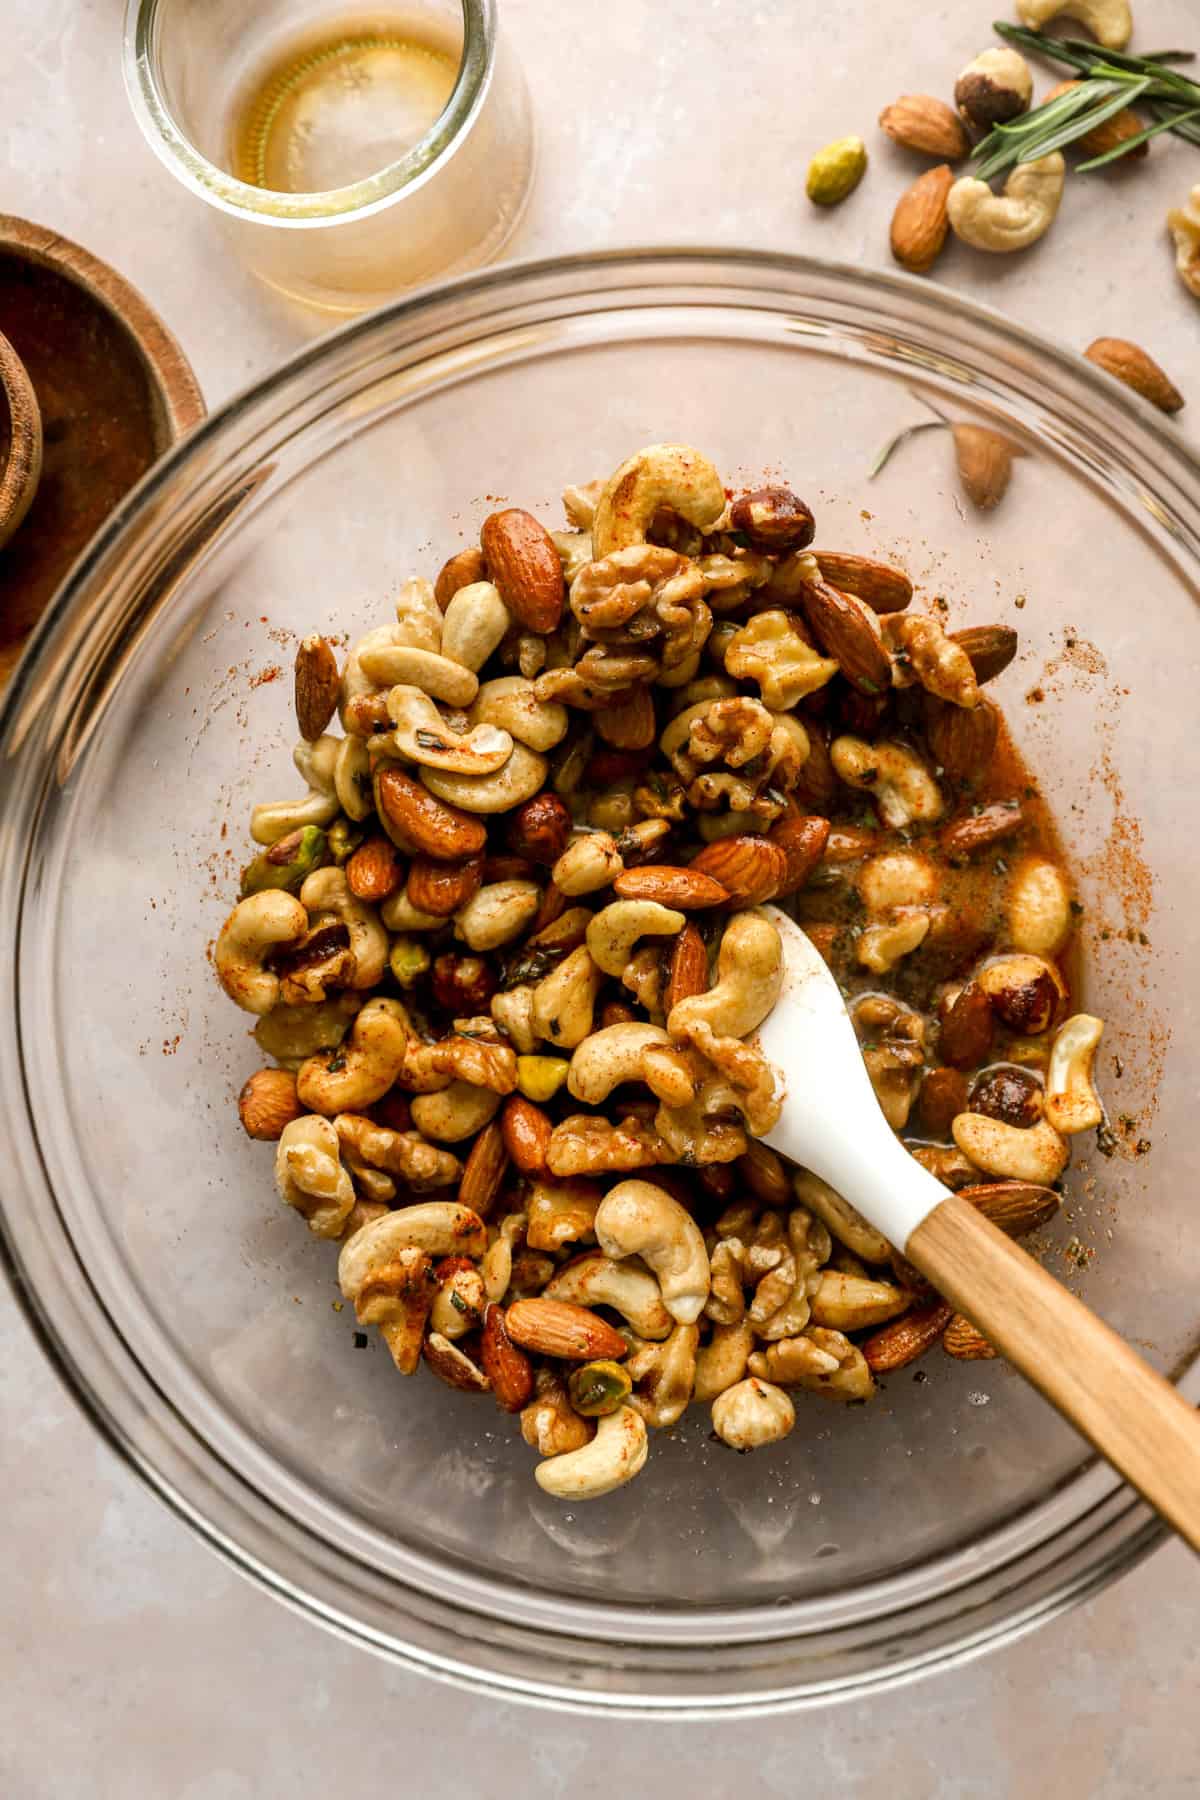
[[922, 219], [1019, 216], [836, 171], [1137, 369], [921, 123], [995, 86], [1183, 223]]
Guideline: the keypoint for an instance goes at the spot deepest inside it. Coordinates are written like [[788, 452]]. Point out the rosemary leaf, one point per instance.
[[1083, 122], [1143, 137]]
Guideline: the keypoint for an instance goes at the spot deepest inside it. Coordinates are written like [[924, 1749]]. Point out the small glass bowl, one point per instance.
[[190, 1312], [451, 202]]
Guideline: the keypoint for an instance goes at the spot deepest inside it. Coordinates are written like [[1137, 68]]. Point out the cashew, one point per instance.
[[561, 1213], [723, 1360], [615, 1455], [474, 623], [389, 665], [1072, 1103], [628, 1287], [1038, 905], [255, 927], [616, 929], [361, 1070], [511, 703], [310, 1176], [422, 735], [1012, 1152], [591, 861], [361, 701], [518, 779], [1183, 222], [749, 978], [898, 781], [881, 947], [638, 1219], [455, 1112], [610, 1056], [513, 1013], [1018, 217], [752, 1413], [563, 1001], [326, 891], [665, 1374], [496, 1267], [851, 1303], [662, 475], [497, 913], [549, 1424], [316, 763], [844, 1221], [291, 1033], [418, 615], [399, 914], [1109, 21], [352, 779], [439, 1227], [898, 878]]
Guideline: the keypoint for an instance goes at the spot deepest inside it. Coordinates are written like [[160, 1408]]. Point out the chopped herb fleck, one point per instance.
[[360, 1340]]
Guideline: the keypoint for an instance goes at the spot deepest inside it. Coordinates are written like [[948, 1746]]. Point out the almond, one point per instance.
[[750, 869], [417, 821], [686, 889], [483, 1170], [508, 1369], [1109, 133], [1015, 1207], [967, 1027], [462, 569], [525, 566], [1138, 370], [765, 1175], [615, 1012], [317, 685], [922, 219], [375, 870], [903, 1340], [526, 1131], [802, 838], [442, 887], [630, 725], [845, 629], [540, 828], [508, 868], [979, 830], [989, 648], [559, 1328], [554, 903], [985, 461], [267, 1103], [961, 1339], [963, 740], [884, 589], [687, 968], [920, 122], [453, 1366]]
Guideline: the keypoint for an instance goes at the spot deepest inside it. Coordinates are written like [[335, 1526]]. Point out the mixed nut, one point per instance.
[[506, 958]]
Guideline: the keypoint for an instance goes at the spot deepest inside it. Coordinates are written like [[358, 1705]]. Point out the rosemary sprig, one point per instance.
[[1112, 81]]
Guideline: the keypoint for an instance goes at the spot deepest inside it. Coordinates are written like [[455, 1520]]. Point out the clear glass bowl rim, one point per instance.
[[1078, 1541]]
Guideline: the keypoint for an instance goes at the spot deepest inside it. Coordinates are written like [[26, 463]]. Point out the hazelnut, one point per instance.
[[267, 1103], [996, 87], [772, 518], [1008, 1093], [540, 829], [463, 984]]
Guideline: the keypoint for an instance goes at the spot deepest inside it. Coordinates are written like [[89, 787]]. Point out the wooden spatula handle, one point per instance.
[[1133, 1417]]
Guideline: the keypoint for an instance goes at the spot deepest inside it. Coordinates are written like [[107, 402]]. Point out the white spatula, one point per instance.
[[832, 1124]]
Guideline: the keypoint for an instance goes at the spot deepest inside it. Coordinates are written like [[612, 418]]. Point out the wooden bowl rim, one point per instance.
[[23, 464]]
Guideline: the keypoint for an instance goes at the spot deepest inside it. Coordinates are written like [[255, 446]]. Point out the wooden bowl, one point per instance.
[[20, 441], [114, 391]]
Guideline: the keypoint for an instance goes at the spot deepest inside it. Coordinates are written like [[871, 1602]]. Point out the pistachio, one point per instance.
[[408, 959], [598, 1388], [540, 1077], [836, 171], [343, 839], [287, 862]]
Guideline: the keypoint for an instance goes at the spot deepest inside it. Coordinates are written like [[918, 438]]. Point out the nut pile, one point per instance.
[[506, 960]]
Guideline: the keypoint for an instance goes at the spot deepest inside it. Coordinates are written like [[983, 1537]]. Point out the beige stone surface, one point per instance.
[[135, 1665]]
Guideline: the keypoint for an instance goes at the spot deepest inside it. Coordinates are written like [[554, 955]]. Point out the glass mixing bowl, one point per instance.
[[190, 1312]]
